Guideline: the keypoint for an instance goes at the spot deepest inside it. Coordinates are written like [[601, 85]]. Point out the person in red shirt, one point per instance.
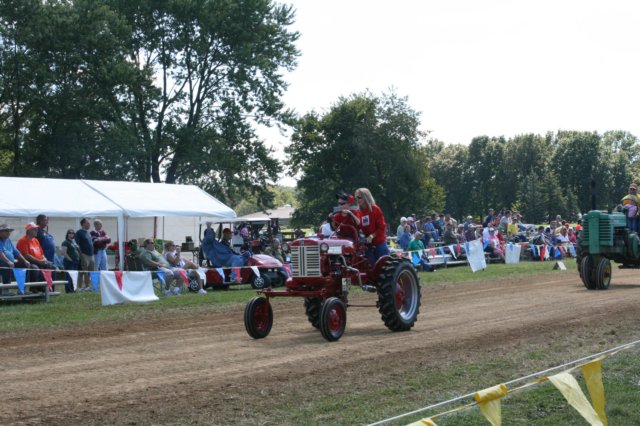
[[346, 216], [31, 249], [373, 225]]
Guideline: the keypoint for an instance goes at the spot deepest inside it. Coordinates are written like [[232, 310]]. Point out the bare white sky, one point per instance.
[[493, 67]]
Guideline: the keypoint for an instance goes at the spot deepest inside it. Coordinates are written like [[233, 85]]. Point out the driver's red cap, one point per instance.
[[226, 230]]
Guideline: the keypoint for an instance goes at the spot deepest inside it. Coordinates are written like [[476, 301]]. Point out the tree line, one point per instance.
[[168, 90], [375, 142]]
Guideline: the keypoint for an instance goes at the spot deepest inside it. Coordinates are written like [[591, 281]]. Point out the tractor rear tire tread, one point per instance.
[[386, 297]]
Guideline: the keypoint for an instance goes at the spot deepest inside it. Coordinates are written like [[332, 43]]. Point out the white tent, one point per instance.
[[27, 197]]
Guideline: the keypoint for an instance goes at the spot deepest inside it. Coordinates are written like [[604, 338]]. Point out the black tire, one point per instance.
[[258, 317], [312, 307], [399, 295], [333, 319], [588, 273], [260, 281], [603, 274]]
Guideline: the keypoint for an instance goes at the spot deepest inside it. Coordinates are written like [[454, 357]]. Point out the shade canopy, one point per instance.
[[28, 197], [139, 199]]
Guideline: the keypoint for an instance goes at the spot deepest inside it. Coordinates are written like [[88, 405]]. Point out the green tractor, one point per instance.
[[605, 237]]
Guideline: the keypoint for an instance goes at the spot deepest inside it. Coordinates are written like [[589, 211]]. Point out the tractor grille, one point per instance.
[[305, 261], [600, 230]]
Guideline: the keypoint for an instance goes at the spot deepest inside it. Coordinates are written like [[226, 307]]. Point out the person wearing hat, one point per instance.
[[345, 216], [9, 257], [31, 249], [630, 204], [221, 255], [152, 260]]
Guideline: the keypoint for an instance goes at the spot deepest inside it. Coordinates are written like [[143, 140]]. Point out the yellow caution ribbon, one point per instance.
[[570, 389], [489, 402]]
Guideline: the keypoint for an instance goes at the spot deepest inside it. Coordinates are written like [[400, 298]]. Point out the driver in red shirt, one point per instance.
[[373, 225]]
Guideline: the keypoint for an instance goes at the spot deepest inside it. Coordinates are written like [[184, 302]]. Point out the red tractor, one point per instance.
[[323, 271]]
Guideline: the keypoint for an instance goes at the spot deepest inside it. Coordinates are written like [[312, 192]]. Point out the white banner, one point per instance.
[[512, 253], [476, 255], [120, 287]]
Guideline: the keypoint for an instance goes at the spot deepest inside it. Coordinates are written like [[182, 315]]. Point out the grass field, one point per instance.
[[85, 308]]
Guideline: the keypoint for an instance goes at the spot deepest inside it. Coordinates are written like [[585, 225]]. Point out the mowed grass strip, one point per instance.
[[85, 308]]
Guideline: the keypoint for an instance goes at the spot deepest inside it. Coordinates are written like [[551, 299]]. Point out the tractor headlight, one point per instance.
[[324, 247], [285, 247]]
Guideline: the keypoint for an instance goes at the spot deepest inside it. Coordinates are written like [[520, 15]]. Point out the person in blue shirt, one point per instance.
[[46, 240], [222, 255], [429, 231], [9, 257]]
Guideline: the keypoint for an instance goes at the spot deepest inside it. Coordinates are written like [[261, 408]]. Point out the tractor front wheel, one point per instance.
[[312, 307], [587, 272], [603, 274], [399, 295], [258, 317], [333, 319]]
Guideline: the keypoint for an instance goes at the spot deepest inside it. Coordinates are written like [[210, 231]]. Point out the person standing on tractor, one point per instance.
[[373, 225], [630, 204]]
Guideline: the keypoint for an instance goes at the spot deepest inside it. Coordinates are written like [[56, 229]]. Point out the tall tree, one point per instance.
[[362, 141]]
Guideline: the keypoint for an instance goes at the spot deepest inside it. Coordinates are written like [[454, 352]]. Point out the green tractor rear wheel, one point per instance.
[[587, 272]]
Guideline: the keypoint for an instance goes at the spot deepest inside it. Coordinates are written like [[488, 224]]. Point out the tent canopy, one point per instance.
[[283, 214], [79, 198], [28, 197], [139, 199]]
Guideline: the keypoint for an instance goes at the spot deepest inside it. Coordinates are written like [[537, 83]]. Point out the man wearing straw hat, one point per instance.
[[9, 257]]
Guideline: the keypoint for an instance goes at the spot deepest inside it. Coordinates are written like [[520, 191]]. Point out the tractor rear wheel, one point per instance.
[[258, 317], [333, 319], [399, 295], [603, 274], [312, 307], [587, 272]]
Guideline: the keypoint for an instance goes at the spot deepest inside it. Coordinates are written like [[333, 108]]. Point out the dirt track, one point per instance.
[[207, 370]]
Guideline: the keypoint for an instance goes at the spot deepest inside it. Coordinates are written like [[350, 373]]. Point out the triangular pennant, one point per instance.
[[489, 402], [458, 249], [424, 422], [95, 280], [441, 250], [73, 275], [21, 276], [202, 273], [220, 272], [160, 276], [46, 273], [543, 252], [118, 275], [534, 251], [557, 254], [433, 253], [562, 250], [572, 249], [466, 248], [570, 389], [415, 258], [255, 270], [238, 274], [183, 274], [485, 244], [592, 373], [510, 246], [452, 251], [548, 252]]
